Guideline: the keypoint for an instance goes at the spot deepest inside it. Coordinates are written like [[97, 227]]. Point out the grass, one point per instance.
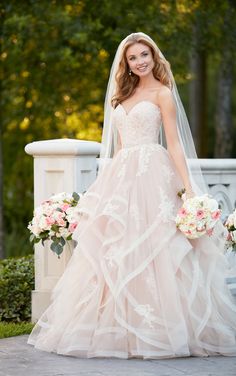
[[15, 329]]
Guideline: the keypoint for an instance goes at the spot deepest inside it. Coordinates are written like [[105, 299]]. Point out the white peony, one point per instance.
[[64, 232], [61, 196], [212, 204], [43, 223], [35, 229]]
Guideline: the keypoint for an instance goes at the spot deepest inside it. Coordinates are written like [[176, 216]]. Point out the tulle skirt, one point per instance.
[[135, 286]]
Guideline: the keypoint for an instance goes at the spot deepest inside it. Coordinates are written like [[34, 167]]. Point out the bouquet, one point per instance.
[[230, 224], [55, 220], [198, 216]]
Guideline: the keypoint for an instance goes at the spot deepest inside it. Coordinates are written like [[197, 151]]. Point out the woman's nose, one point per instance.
[[140, 61]]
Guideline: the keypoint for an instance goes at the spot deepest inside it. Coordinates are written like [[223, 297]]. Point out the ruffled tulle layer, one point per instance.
[[135, 286]]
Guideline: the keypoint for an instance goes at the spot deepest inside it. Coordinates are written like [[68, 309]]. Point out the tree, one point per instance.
[[224, 129], [56, 57]]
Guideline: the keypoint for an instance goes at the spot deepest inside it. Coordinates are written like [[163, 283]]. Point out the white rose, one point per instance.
[[233, 235], [43, 223], [39, 211], [57, 215], [184, 228], [47, 209], [213, 205], [64, 232], [73, 214], [230, 220], [61, 196], [34, 229]]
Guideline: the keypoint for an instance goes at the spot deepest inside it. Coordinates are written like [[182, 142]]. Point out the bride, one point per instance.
[[135, 286]]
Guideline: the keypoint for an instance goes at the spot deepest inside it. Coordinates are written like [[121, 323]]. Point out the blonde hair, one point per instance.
[[126, 83]]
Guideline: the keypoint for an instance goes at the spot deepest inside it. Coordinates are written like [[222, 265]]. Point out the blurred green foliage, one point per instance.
[[56, 57], [16, 283]]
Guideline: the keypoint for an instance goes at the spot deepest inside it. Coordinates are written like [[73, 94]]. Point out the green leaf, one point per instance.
[[57, 248], [76, 196], [55, 228], [62, 241]]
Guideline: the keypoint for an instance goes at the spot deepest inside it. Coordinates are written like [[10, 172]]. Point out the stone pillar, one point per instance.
[[62, 165], [220, 175]]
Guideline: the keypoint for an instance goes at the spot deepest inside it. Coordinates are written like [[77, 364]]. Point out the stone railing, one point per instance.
[[71, 165]]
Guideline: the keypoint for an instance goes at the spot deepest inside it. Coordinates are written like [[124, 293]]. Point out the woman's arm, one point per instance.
[[168, 112]]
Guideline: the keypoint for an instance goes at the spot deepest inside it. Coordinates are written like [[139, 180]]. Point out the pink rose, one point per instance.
[[50, 221], [65, 206], [209, 231], [200, 214], [182, 212], [61, 222], [229, 237], [216, 214], [59, 219], [72, 227]]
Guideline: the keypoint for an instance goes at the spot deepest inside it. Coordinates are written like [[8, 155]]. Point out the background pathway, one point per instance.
[[19, 359]]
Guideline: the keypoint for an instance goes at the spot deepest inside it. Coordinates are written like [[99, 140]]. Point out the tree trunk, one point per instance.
[[198, 100], [224, 129], [2, 253]]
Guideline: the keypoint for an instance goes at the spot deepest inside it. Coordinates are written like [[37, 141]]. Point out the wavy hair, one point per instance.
[[125, 83]]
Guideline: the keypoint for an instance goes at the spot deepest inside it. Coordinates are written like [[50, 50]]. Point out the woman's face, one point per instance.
[[140, 60]]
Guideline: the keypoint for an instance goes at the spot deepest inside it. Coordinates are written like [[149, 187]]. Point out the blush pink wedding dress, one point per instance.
[[135, 286]]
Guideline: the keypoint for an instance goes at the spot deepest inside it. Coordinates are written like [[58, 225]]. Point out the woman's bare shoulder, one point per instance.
[[164, 95]]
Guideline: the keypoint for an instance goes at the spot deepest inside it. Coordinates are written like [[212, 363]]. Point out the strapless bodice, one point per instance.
[[141, 125]]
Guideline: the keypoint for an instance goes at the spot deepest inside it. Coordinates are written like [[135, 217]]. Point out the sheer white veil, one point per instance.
[[109, 134]]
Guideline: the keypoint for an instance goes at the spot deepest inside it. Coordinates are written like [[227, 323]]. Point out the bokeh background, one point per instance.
[[55, 61]]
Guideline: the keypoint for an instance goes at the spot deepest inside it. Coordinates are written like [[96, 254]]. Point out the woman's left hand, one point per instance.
[[189, 193]]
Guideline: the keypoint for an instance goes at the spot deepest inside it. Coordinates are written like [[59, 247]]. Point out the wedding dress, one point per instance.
[[135, 286]]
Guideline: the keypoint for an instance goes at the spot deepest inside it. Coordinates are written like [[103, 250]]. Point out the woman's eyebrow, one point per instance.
[[140, 53]]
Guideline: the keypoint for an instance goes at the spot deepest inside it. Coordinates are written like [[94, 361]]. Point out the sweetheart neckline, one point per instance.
[[143, 101]]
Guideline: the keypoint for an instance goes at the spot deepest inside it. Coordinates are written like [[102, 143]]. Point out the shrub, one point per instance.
[[16, 283], [12, 329]]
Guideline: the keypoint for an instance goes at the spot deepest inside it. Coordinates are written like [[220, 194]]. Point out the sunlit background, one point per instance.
[[56, 57]]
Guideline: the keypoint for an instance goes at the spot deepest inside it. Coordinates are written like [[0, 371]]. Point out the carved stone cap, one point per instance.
[[63, 146], [222, 164]]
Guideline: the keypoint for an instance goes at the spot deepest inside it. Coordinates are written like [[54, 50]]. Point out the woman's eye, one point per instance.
[[145, 54], [132, 58]]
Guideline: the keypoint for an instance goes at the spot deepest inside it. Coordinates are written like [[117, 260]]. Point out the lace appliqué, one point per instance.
[[124, 156], [166, 207], [110, 208], [146, 311], [167, 173], [140, 126], [112, 256], [152, 285], [144, 158], [134, 213]]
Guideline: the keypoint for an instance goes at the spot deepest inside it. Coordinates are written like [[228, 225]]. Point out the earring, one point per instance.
[[130, 72]]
